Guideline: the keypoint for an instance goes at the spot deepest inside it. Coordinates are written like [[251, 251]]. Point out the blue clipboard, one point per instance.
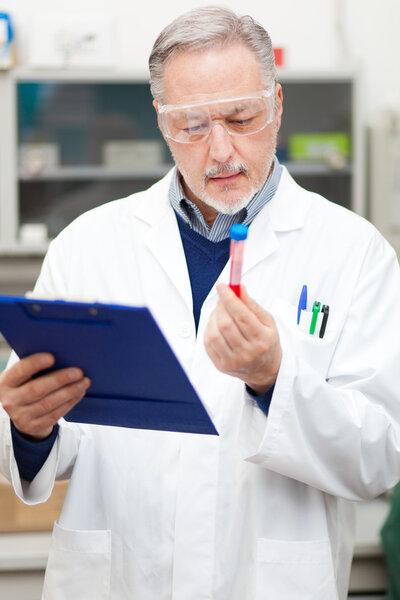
[[137, 380]]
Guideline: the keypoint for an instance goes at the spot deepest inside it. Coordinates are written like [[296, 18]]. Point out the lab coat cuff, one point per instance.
[[40, 488], [258, 431], [263, 401], [31, 454]]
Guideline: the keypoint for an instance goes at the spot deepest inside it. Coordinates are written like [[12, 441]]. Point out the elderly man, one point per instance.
[[308, 422]]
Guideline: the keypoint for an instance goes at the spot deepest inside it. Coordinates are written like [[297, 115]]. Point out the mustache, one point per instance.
[[224, 168]]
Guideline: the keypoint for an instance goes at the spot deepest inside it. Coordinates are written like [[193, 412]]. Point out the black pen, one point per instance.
[[325, 313]]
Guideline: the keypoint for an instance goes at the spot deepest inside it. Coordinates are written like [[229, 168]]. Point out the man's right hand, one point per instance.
[[35, 405]]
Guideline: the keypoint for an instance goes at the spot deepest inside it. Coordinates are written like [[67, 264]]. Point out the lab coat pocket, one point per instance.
[[315, 350], [294, 570], [79, 565]]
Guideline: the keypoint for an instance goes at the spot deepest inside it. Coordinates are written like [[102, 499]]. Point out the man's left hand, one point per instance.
[[242, 340]]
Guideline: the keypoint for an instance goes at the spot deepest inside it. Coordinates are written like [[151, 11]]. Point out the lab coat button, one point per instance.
[[184, 330]]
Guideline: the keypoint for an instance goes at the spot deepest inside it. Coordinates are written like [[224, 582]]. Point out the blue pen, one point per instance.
[[302, 303]]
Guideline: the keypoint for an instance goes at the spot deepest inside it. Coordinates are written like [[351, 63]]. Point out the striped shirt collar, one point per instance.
[[219, 231]]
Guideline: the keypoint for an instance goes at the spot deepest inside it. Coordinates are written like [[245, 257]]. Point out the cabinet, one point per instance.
[[322, 117], [73, 140]]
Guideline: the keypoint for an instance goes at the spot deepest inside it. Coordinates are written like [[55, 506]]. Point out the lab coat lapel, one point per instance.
[[164, 242], [281, 214], [163, 238], [260, 244]]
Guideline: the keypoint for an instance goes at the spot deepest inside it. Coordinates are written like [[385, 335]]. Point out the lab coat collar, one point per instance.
[[162, 237], [287, 210], [284, 212], [152, 205]]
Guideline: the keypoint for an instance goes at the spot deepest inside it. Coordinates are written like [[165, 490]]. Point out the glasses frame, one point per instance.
[[164, 108]]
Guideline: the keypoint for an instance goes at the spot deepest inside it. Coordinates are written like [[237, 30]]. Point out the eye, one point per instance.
[[196, 128], [241, 122]]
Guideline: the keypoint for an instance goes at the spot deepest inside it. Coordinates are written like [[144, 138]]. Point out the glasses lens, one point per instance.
[[238, 117], [188, 125], [244, 117]]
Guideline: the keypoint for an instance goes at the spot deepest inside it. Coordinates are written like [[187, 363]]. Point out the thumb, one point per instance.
[[263, 316]]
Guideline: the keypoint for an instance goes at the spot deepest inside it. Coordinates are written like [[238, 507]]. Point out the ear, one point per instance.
[[155, 104], [278, 106]]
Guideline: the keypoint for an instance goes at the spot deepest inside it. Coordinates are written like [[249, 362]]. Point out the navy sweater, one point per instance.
[[205, 261]]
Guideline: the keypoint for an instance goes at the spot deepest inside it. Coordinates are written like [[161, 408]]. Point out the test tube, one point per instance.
[[238, 235]]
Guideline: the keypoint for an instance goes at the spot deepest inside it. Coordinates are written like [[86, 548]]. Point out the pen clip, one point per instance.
[[315, 310], [325, 311]]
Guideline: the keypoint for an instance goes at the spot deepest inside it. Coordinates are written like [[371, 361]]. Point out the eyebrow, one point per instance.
[[238, 108]]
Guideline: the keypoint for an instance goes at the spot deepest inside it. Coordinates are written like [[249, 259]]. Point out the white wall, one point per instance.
[[372, 28], [315, 34], [139, 23]]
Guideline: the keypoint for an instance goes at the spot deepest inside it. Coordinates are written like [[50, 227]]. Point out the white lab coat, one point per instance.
[[266, 510]]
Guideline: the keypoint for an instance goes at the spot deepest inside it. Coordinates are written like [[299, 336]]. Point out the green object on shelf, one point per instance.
[[318, 146]]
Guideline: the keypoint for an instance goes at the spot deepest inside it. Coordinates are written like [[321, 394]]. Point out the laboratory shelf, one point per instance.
[[95, 172], [75, 139], [305, 168]]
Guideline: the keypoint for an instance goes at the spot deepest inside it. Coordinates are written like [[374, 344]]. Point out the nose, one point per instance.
[[220, 144]]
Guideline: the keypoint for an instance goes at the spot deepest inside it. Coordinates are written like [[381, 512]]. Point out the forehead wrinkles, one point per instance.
[[227, 108], [234, 108]]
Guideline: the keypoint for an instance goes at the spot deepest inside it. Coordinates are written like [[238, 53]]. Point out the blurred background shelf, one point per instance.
[[96, 172], [74, 140]]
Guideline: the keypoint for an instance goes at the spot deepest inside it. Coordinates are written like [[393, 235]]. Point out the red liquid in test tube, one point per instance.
[[238, 235]]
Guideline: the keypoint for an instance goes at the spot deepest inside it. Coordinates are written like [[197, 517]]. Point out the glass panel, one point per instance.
[[336, 188], [84, 144], [314, 107], [57, 203], [79, 118], [312, 111]]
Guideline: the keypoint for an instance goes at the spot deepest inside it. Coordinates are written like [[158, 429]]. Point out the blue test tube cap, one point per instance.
[[238, 232]]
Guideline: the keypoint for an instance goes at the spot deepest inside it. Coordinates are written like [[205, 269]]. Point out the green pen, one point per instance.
[[315, 310]]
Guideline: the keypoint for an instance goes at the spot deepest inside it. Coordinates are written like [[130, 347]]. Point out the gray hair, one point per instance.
[[204, 27]]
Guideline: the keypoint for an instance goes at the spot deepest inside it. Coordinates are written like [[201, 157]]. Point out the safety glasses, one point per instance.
[[193, 123]]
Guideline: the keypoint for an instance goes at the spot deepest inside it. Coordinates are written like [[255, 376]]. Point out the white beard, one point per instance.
[[228, 208], [222, 206]]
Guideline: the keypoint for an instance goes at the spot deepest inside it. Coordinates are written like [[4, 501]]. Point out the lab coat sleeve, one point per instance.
[[340, 431], [59, 463]]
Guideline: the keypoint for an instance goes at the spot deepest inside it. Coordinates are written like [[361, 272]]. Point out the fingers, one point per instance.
[[39, 419], [36, 389], [242, 340], [260, 313], [35, 405], [227, 335], [25, 368], [216, 345], [245, 313], [50, 401], [226, 339]]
